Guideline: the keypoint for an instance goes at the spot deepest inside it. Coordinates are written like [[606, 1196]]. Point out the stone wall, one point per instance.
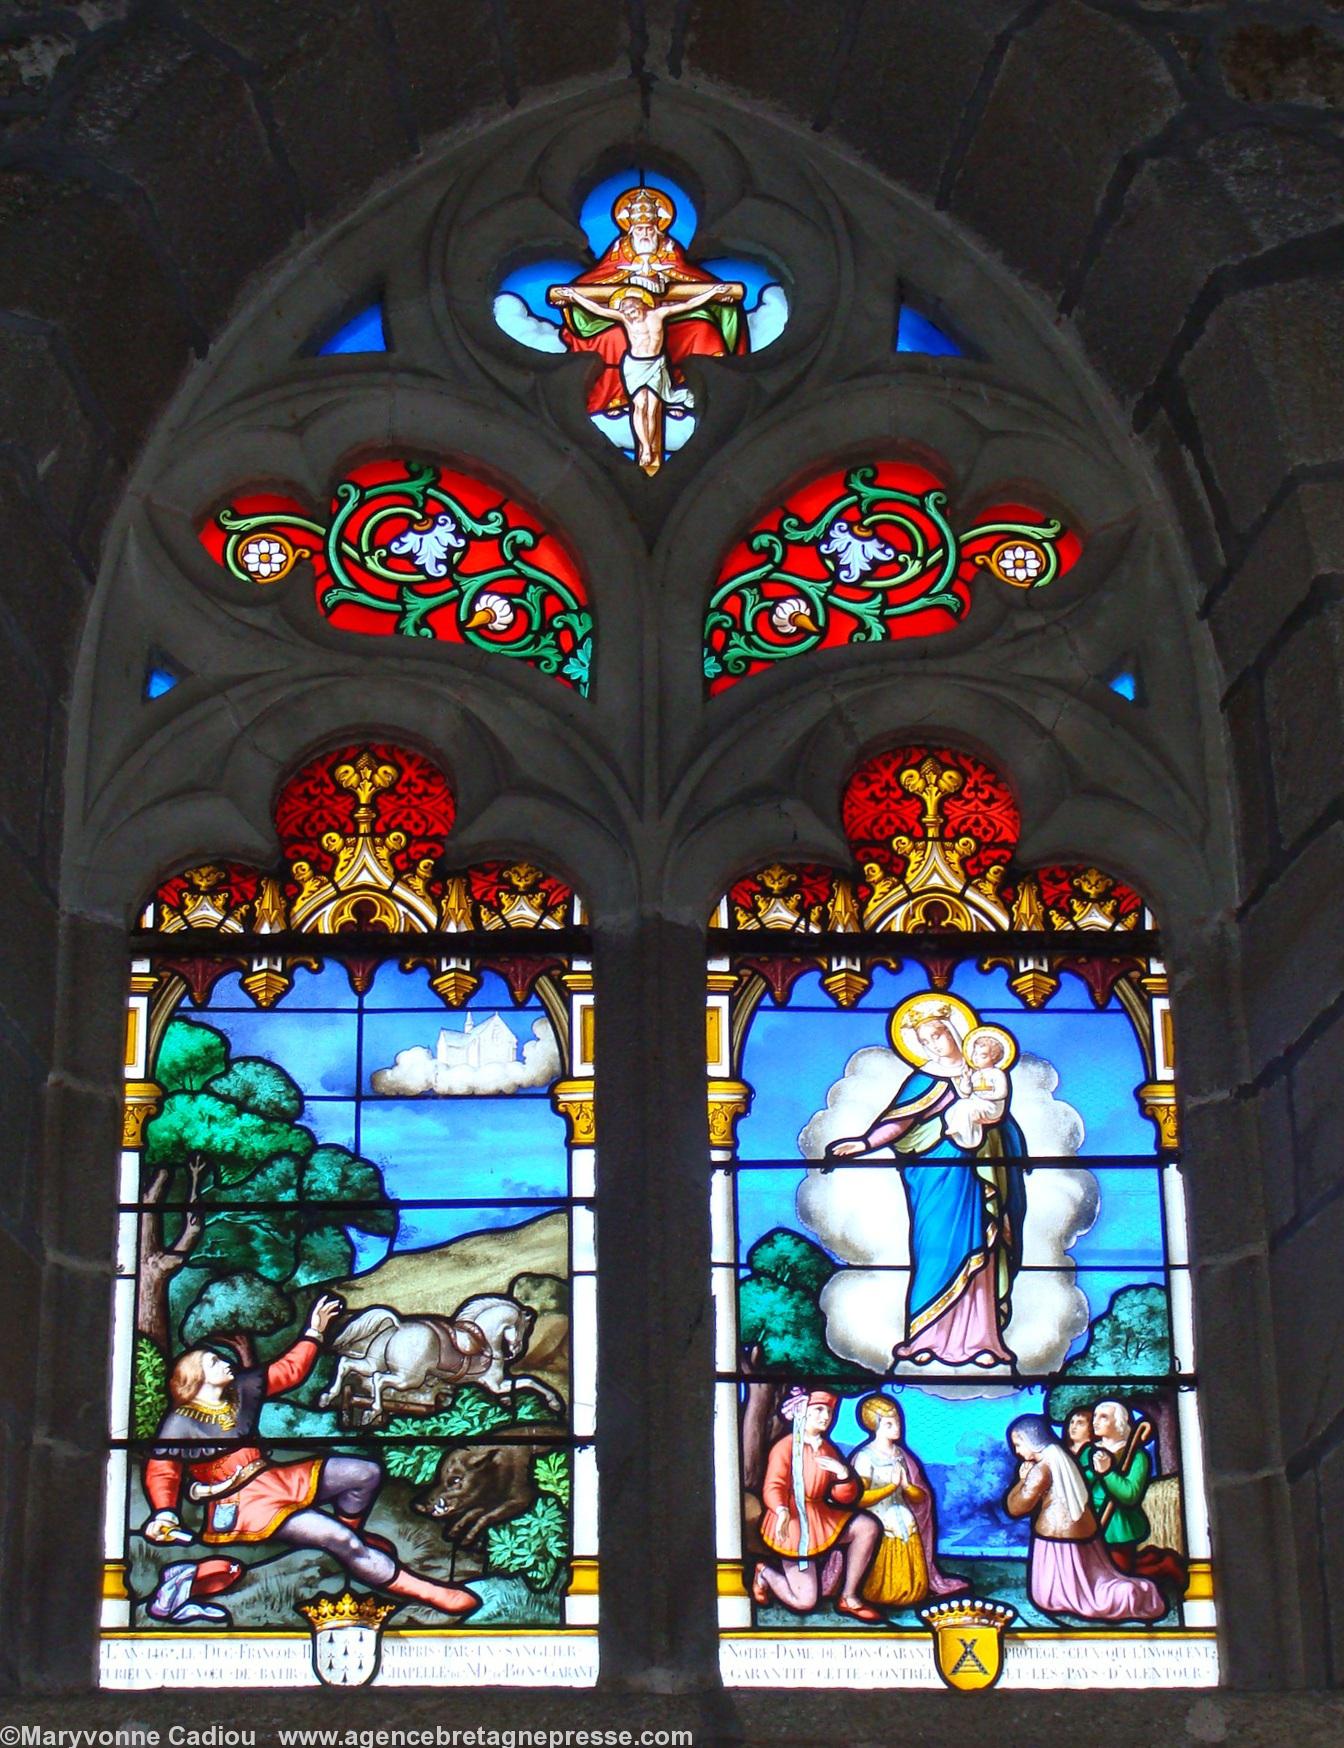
[[1166, 178]]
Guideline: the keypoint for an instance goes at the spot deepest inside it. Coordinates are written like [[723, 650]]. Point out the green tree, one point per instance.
[[251, 1183], [779, 1311], [1131, 1339], [242, 1306]]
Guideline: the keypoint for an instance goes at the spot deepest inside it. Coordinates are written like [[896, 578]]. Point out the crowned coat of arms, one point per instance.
[[347, 1637]]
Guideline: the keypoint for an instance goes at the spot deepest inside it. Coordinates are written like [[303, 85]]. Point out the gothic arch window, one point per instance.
[[462, 537]]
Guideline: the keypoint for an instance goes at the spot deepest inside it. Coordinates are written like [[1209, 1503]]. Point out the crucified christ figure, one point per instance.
[[645, 372]]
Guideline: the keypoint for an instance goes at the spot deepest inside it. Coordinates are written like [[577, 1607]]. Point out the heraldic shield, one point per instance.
[[968, 1641], [347, 1637]]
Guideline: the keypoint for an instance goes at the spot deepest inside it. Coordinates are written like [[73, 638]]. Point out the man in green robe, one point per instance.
[[1118, 1470]]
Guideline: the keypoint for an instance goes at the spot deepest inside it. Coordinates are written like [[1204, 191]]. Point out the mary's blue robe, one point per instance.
[[963, 1205]]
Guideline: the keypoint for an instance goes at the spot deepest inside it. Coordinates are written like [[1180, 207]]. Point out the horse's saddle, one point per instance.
[[464, 1349]]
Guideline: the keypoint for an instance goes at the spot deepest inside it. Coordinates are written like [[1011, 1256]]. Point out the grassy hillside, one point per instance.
[[439, 1280]]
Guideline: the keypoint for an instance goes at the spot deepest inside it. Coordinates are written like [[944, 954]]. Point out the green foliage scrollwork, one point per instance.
[[897, 539]]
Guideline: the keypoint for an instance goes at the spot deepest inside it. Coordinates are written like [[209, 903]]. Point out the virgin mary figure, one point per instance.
[[960, 1154]]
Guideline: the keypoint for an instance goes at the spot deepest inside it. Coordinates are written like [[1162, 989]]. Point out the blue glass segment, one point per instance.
[[362, 333], [916, 333], [158, 681]]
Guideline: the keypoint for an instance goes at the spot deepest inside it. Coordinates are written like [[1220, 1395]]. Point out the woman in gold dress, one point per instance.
[[896, 1490]]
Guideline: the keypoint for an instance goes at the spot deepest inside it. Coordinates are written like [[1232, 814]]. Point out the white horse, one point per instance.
[[428, 1357]]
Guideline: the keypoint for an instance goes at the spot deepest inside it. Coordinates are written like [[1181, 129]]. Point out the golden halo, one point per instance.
[[626, 205], [1005, 1038], [928, 1005], [635, 291]]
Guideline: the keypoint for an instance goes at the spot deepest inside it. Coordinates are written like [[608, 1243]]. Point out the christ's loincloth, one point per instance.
[[653, 374]]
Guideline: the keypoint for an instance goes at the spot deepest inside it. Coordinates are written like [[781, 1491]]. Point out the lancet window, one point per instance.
[[354, 1352], [956, 1373]]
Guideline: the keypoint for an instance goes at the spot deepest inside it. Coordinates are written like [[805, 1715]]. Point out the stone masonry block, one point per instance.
[[28, 964], [1251, 1533], [1304, 1502], [549, 46], [1304, 707], [44, 596], [21, 1126], [1266, 385], [82, 1139], [1294, 948], [19, 1274], [60, 1601], [1176, 227], [91, 1018], [909, 79], [1265, 63], [1185, 217], [58, 438], [1332, 1554], [1309, 1327], [1231, 1147], [194, 131], [1301, 541], [24, 718], [119, 316], [1077, 90], [323, 66], [1317, 1079], [1257, 834], [781, 51], [1176, 467], [449, 59], [1233, 1313]]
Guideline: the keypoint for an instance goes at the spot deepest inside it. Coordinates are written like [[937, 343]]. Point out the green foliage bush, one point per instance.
[[149, 1388], [535, 1545], [471, 1413]]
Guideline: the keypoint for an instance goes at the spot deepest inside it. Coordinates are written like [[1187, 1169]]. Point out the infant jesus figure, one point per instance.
[[982, 1087], [645, 372]]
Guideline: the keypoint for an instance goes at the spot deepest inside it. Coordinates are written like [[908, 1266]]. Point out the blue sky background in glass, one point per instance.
[[460, 1148], [328, 988], [916, 333], [599, 227], [454, 1148], [1126, 684], [158, 681], [315, 1049], [362, 333], [795, 1054]]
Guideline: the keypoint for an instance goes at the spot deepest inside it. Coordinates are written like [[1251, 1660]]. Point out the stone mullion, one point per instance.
[[62, 1586], [655, 1324]]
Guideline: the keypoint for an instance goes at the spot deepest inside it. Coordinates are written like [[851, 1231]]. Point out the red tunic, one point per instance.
[[257, 1508], [825, 1495]]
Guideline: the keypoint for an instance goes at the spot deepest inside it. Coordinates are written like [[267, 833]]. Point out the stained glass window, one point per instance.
[[866, 555], [354, 1360], [956, 1425], [640, 309], [415, 550]]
